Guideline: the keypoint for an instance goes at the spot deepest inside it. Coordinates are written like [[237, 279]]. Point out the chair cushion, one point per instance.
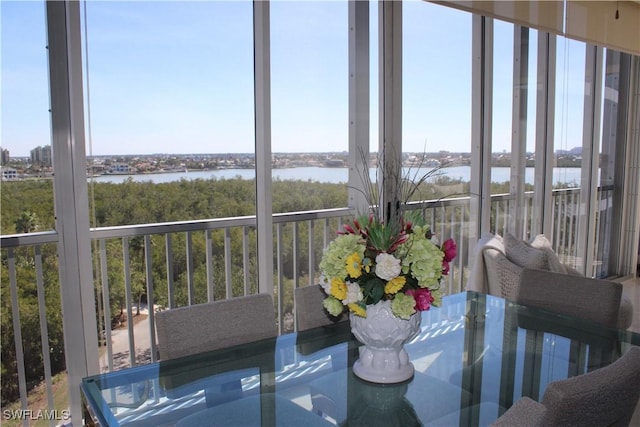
[[553, 262], [523, 254]]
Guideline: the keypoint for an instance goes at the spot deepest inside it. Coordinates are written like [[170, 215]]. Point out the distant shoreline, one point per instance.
[[335, 175]]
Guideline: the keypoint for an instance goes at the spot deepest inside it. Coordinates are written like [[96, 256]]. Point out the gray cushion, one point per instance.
[[553, 262], [523, 254]]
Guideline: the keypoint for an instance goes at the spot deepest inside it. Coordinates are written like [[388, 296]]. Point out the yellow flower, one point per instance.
[[366, 264], [357, 309], [394, 285], [338, 288], [354, 265]]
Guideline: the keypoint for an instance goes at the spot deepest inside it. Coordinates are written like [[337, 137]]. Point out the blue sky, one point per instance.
[[176, 77]]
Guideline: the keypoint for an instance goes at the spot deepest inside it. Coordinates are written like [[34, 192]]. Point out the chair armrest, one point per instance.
[[503, 275]]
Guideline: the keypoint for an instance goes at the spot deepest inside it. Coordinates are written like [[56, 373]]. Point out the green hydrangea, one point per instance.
[[333, 306], [437, 297], [423, 259], [333, 262], [403, 306]]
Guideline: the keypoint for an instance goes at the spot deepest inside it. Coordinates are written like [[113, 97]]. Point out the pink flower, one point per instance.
[[423, 298], [450, 250], [445, 267]]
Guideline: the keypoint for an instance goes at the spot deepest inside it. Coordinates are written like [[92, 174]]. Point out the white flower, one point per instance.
[[326, 284], [435, 240], [354, 293], [387, 266]]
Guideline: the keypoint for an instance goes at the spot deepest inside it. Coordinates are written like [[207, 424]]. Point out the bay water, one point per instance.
[[334, 175]]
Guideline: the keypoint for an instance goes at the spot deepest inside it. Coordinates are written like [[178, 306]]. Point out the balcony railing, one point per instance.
[[141, 264]]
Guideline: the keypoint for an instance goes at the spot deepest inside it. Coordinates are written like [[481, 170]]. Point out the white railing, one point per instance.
[[217, 260]]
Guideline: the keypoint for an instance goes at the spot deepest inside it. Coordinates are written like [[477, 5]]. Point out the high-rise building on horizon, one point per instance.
[[41, 156]]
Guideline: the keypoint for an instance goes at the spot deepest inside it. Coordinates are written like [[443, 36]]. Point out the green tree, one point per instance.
[[27, 222]]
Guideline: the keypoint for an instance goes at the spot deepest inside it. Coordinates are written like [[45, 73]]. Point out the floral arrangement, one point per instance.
[[371, 261]]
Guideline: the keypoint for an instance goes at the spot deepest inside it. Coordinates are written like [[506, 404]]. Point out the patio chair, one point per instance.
[[206, 327], [581, 297], [310, 312], [605, 397], [577, 296], [499, 263]]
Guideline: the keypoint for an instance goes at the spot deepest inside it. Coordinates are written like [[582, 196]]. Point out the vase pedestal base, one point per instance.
[[383, 358], [383, 366]]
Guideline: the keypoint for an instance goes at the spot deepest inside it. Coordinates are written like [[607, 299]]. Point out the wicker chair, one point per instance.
[[499, 265]]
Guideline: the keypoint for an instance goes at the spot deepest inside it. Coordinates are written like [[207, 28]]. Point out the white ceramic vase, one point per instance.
[[383, 358]]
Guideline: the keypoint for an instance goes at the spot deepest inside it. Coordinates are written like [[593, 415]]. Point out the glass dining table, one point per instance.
[[475, 356]]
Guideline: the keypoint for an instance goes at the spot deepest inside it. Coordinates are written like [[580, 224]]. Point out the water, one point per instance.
[[333, 175]]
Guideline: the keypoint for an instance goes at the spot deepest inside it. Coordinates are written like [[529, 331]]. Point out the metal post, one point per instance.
[[519, 126], [359, 99], [542, 215], [590, 157], [481, 130], [262, 99], [390, 148], [71, 197]]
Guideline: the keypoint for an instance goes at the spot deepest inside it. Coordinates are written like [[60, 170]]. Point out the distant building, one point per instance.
[[122, 168], [8, 174], [334, 163], [41, 156], [5, 156]]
